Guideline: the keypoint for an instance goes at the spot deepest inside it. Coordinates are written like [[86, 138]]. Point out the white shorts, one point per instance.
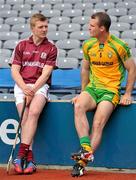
[[19, 95]]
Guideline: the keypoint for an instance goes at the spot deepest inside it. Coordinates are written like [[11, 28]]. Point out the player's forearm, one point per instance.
[[42, 79], [84, 78], [40, 82], [130, 81]]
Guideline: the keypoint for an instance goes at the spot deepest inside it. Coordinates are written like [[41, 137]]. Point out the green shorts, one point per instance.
[[103, 95]]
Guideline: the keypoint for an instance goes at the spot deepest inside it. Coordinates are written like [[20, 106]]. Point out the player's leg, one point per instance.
[[102, 114], [25, 153], [19, 161], [107, 102], [35, 110], [29, 129], [84, 103]]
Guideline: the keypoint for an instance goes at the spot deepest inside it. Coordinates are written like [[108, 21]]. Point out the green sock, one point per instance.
[[85, 140], [85, 143]]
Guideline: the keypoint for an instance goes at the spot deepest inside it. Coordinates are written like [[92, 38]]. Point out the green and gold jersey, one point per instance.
[[106, 62]]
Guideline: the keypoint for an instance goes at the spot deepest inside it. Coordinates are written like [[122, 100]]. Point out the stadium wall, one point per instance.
[[56, 136]]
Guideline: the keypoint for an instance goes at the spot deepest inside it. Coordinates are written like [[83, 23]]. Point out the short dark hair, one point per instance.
[[104, 19], [37, 17]]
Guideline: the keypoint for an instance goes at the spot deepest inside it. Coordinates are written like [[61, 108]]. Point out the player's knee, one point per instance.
[[78, 108], [34, 112]]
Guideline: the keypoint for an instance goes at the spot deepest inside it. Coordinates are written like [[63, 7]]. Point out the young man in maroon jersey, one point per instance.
[[33, 61]]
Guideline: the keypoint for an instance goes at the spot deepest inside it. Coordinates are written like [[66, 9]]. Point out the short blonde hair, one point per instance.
[[37, 17]]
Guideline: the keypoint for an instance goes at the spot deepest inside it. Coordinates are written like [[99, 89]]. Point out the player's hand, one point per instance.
[[74, 99], [28, 91], [126, 99]]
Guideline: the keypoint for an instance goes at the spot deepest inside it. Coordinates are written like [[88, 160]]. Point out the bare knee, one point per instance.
[[34, 113], [79, 109]]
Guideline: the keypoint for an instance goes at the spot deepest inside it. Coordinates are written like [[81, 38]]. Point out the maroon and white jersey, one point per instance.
[[33, 58]]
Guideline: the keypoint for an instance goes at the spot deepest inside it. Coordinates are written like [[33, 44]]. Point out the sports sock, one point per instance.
[[30, 156], [23, 150], [85, 143]]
